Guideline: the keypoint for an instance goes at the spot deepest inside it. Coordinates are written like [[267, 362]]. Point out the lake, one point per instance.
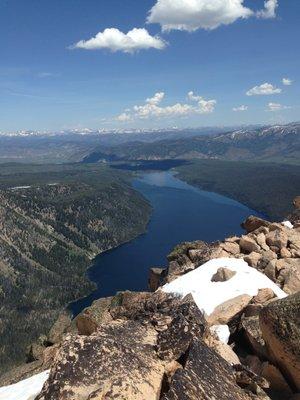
[[181, 213]]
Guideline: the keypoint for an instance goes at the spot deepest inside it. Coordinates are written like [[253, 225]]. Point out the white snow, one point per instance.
[[222, 332], [27, 389], [208, 295], [288, 224]]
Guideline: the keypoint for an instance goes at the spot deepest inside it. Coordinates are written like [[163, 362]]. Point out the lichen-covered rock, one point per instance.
[[205, 376], [280, 325], [117, 362]]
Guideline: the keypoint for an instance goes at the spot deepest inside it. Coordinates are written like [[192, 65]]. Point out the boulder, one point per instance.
[[278, 385], [230, 247], [289, 274], [223, 275], [155, 278], [248, 245], [261, 240], [252, 223], [253, 335], [277, 238], [223, 349], [253, 259], [229, 310], [263, 296], [117, 362], [92, 317], [205, 376], [296, 203], [280, 325]]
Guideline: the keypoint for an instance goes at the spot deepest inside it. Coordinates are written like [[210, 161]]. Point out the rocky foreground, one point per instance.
[[168, 344]]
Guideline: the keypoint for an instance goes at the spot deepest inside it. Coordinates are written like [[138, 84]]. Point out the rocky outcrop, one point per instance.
[[280, 325], [117, 362], [143, 345]]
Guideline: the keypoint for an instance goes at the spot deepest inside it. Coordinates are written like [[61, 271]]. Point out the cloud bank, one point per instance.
[[115, 40], [152, 108], [190, 15]]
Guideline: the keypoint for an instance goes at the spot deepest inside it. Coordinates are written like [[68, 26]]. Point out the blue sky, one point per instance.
[[191, 67]]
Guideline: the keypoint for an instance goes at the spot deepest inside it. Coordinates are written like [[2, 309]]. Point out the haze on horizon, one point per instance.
[[106, 64]]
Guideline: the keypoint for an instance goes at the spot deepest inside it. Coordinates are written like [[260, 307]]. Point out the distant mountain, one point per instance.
[[276, 143], [74, 145]]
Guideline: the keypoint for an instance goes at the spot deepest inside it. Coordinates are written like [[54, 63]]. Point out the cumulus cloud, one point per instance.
[[190, 15], [124, 117], [115, 40], [263, 90], [152, 108], [270, 9], [276, 107], [240, 108], [287, 81]]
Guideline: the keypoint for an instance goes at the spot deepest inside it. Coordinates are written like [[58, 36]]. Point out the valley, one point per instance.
[[53, 221]]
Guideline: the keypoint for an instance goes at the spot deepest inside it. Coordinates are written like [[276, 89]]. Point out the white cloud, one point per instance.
[[115, 40], [190, 15], [156, 99], [124, 117], [270, 9], [263, 90], [47, 75], [240, 108], [153, 108], [287, 81], [276, 107]]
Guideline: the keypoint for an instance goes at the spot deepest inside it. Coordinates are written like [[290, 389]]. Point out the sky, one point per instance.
[[68, 64]]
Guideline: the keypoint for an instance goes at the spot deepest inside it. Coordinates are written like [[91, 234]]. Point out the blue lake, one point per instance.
[[180, 213]]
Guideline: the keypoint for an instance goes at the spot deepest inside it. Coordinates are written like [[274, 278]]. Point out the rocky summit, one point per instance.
[[174, 343]]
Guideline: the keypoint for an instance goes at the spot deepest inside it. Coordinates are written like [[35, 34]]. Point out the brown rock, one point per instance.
[[117, 362], [253, 335], [248, 245], [285, 253], [289, 274], [252, 223], [296, 203], [229, 310], [223, 275], [92, 317], [261, 240], [206, 375], [223, 349], [277, 238], [271, 270], [278, 384], [253, 259], [232, 248], [155, 278], [280, 325], [263, 296]]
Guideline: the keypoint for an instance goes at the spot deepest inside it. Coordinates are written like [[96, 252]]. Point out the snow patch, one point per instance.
[[208, 295], [288, 224], [222, 332], [27, 389]]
